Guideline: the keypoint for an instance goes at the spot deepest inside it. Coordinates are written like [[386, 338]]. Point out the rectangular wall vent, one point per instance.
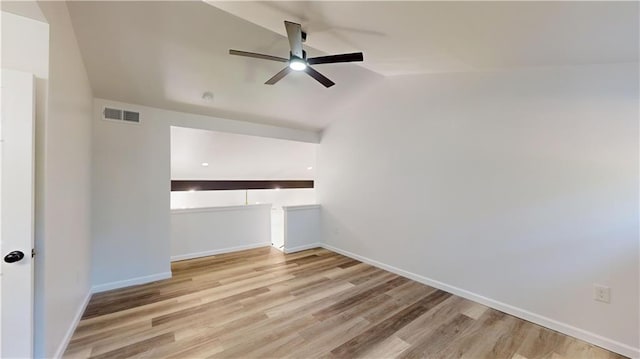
[[117, 114], [112, 113], [131, 116]]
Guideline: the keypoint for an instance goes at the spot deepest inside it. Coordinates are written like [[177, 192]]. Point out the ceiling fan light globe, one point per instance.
[[297, 65]]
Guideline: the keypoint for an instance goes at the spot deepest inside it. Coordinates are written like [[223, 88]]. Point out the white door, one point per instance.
[[16, 213]]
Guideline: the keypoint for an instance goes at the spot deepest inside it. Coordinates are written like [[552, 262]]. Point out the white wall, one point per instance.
[[301, 227], [278, 198], [519, 187], [28, 52], [131, 185], [63, 135], [67, 238], [277, 228], [200, 199], [208, 231], [283, 197]]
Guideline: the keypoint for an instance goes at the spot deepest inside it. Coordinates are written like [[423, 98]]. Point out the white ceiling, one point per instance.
[[166, 54], [28, 9], [401, 37], [238, 157]]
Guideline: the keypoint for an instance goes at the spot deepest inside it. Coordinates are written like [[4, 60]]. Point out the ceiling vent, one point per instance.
[[116, 114]]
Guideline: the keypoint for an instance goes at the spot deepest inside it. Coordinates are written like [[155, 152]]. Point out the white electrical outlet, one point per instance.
[[601, 293]]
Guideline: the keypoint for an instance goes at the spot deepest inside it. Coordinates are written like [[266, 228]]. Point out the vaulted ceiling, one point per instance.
[[412, 37], [167, 54]]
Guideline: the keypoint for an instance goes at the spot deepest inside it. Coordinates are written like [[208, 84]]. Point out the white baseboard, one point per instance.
[[181, 257], [72, 328], [301, 248], [564, 328], [129, 282]]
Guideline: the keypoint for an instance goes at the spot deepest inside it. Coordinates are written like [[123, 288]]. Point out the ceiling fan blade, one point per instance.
[[294, 33], [257, 56], [277, 77], [319, 77], [331, 59]]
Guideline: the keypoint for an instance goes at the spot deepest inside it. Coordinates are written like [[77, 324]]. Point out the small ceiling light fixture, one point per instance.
[[207, 96], [297, 64], [205, 164], [309, 168], [192, 190]]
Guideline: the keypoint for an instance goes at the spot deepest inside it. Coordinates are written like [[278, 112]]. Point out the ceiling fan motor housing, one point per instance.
[[292, 56]]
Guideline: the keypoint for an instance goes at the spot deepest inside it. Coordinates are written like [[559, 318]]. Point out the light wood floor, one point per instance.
[[261, 303]]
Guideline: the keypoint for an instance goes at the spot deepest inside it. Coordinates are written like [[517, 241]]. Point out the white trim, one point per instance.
[[72, 328], [181, 257], [301, 248], [567, 329], [129, 282], [301, 207], [219, 209]]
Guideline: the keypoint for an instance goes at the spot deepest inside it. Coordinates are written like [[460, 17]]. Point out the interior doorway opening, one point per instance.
[[228, 190]]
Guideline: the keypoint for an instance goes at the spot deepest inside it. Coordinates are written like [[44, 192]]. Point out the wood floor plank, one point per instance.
[[540, 342], [202, 309], [135, 348], [128, 317], [358, 298], [323, 336], [504, 334], [425, 325], [261, 303], [242, 345], [389, 326], [434, 346], [391, 347]]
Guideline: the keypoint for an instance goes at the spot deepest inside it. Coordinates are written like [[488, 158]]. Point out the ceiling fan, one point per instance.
[[298, 60]]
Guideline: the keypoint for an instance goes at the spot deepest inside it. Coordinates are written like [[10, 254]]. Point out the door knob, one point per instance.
[[13, 256]]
